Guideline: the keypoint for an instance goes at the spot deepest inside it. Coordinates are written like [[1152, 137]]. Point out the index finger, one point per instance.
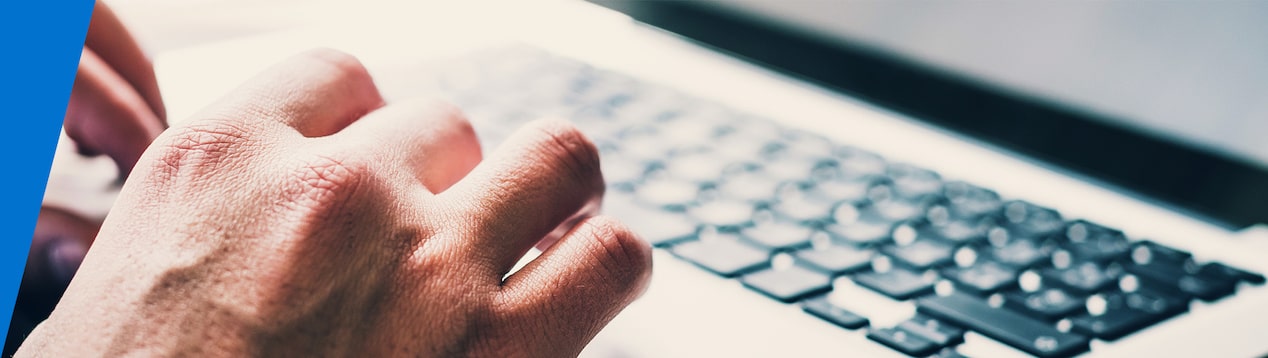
[[110, 40]]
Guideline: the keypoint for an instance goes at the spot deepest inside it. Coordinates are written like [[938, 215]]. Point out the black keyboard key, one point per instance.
[[655, 226], [1019, 253], [822, 308], [789, 284], [983, 277], [778, 235], [931, 329], [1126, 313], [1092, 242], [1179, 278], [1024, 219], [897, 283], [1049, 304], [1219, 269], [725, 255], [1147, 252], [1085, 277], [902, 341], [1011, 328], [921, 254], [835, 259]]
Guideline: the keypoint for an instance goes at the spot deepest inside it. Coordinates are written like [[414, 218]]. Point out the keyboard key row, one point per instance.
[[790, 213]]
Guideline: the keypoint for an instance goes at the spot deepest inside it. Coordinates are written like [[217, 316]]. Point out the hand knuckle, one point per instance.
[[201, 146], [324, 181]]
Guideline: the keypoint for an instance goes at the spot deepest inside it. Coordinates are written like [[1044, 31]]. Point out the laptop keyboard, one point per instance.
[[792, 215]]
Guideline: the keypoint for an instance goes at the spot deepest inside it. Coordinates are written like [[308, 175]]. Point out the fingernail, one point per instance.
[[64, 257]]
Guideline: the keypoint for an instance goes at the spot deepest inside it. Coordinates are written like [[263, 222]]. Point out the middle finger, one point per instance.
[[537, 183]]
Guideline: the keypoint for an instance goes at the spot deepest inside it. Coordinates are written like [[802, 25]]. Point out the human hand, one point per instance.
[[301, 217], [114, 109]]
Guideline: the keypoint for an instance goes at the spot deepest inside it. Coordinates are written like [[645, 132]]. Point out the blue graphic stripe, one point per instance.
[[40, 42]]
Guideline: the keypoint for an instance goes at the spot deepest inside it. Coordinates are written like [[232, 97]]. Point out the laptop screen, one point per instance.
[[1185, 70], [1165, 100]]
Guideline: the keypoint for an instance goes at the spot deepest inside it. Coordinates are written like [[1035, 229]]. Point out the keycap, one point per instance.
[[748, 186], [1011, 328], [914, 182], [921, 254], [778, 235], [1049, 304], [855, 163], [902, 341], [726, 215], [1019, 253], [897, 283], [897, 210], [1024, 219], [862, 232], [789, 284], [655, 226], [1147, 252], [619, 170], [696, 167], [1177, 278], [1085, 277], [931, 329], [822, 308], [742, 143], [644, 147], [692, 127], [969, 201], [956, 232], [835, 259], [842, 190], [803, 209], [725, 255], [983, 277], [1092, 242], [1126, 313], [1216, 268], [792, 166], [668, 193]]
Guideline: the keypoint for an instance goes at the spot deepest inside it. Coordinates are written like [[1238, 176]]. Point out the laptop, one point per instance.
[[880, 179]]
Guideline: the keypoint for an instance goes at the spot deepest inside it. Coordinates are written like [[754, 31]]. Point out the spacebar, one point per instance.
[[1011, 328]]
